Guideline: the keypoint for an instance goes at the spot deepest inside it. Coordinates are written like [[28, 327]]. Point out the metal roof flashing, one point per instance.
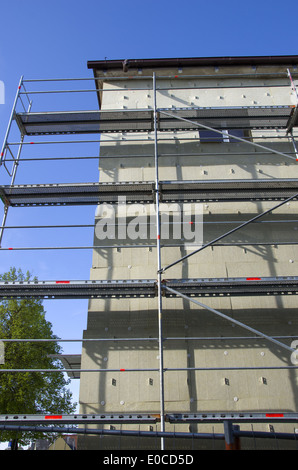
[[125, 65]]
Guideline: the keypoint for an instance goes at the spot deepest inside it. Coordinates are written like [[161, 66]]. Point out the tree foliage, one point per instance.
[[30, 392]]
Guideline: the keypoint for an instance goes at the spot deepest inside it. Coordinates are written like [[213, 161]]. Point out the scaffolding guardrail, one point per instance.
[[153, 121]]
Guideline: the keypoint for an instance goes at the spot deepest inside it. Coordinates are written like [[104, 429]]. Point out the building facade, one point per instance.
[[214, 141]]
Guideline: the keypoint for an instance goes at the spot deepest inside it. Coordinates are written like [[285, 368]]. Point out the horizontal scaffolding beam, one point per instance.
[[167, 369], [238, 417], [144, 192], [242, 286], [143, 418], [116, 432], [151, 434], [90, 122], [150, 339], [80, 419]]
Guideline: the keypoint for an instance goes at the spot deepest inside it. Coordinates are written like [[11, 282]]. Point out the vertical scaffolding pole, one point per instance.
[[16, 160], [158, 249], [293, 87], [294, 144], [4, 149], [232, 442], [13, 175]]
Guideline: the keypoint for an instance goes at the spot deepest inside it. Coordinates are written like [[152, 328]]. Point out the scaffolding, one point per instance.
[[158, 121]]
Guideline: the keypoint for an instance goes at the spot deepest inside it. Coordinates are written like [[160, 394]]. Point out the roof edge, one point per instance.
[[125, 64]]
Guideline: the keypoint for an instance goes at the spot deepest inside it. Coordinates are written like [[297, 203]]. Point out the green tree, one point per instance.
[[29, 392]]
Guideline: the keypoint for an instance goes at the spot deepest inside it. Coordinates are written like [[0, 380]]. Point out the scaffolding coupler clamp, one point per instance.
[[154, 192], [4, 199], [163, 283]]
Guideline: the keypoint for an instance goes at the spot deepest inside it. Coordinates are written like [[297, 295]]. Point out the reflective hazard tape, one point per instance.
[[53, 417]]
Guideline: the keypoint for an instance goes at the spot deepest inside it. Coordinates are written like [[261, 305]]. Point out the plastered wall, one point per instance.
[[183, 157]]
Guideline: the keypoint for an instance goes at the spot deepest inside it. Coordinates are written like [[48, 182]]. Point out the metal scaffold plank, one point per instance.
[[234, 286], [227, 190], [80, 419], [253, 117], [249, 286], [90, 122], [143, 418], [238, 417], [76, 193], [84, 122], [78, 289], [143, 192]]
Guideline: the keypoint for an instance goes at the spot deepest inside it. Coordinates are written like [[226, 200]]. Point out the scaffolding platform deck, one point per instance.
[[242, 286], [142, 120], [144, 192], [238, 417], [141, 418], [249, 286], [78, 289], [227, 190], [116, 418], [76, 193]]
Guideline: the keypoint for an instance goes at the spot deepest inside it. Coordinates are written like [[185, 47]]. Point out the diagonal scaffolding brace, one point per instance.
[[212, 242], [226, 317], [226, 134]]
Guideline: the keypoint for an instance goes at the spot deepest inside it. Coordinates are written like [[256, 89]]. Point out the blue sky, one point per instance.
[[56, 39]]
